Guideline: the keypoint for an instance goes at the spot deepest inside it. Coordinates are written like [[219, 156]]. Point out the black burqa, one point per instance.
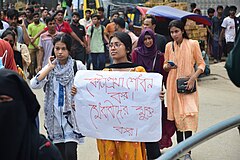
[[20, 138]]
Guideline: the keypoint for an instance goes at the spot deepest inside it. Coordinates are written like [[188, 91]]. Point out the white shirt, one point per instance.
[[5, 26], [84, 22], [76, 4], [230, 31]]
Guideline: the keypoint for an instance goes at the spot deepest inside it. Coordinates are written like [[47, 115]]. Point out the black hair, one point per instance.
[[95, 15], [49, 19], [64, 38], [233, 8], [220, 7], [44, 10], [178, 24], [76, 14], [59, 11], [13, 29], [115, 13], [9, 32], [210, 10], [101, 9], [22, 13], [126, 40], [193, 5], [30, 9], [88, 10], [119, 21], [35, 13], [12, 13], [154, 21], [5, 12]]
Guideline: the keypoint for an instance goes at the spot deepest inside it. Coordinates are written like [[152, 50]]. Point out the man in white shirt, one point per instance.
[[87, 20], [229, 29]]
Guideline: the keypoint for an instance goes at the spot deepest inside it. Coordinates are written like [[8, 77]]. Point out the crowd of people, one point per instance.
[[222, 32], [48, 48]]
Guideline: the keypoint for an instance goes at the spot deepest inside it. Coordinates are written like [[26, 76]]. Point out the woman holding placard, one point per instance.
[[120, 47]]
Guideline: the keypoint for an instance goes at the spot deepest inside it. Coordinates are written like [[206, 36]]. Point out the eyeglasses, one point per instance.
[[116, 45]]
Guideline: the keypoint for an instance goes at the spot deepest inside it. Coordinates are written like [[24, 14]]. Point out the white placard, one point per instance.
[[122, 106]]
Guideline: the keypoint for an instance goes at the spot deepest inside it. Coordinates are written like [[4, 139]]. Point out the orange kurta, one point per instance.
[[183, 108], [119, 150]]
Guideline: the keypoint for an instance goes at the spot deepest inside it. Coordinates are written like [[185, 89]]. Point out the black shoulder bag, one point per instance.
[[181, 82]]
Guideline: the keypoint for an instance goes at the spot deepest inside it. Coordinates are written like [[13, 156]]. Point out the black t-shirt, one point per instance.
[[79, 30], [104, 22], [161, 42]]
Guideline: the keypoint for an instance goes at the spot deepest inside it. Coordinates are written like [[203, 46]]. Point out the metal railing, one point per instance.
[[201, 137]]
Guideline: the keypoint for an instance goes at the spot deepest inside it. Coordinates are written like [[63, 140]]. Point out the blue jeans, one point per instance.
[[217, 51], [98, 60], [89, 61]]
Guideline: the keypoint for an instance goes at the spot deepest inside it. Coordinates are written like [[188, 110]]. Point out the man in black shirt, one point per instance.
[[104, 21], [78, 52]]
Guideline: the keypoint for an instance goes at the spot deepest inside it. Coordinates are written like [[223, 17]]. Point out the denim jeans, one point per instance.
[[89, 61], [98, 60], [217, 51]]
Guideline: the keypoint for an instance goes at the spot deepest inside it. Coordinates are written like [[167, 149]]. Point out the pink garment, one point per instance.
[[183, 108]]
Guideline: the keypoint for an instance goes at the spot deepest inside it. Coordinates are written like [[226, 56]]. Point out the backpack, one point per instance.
[[92, 29], [104, 42], [75, 67]]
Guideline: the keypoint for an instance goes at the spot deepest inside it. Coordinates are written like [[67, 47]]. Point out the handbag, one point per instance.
[[181, 86]]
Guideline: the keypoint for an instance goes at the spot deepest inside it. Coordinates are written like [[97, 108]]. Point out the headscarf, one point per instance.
[[17, 118], [142, 49], [65, 77], [145, 55], [10, 62], [20, 139]]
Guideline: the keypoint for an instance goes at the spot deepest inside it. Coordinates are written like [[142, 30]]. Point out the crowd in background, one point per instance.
[[45, 44]]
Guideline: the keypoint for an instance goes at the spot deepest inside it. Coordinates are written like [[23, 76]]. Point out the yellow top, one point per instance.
[[121, 150]]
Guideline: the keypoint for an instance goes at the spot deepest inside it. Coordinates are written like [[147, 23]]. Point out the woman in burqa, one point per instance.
[[20, 139]]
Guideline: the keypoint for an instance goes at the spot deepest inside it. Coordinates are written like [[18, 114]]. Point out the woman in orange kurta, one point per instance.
[[120, 47], [184, 53]]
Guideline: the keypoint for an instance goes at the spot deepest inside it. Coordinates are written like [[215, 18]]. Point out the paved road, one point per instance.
[[219, 100]]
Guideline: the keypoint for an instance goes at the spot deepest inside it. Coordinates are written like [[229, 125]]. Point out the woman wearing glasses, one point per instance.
[[120, 47]]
